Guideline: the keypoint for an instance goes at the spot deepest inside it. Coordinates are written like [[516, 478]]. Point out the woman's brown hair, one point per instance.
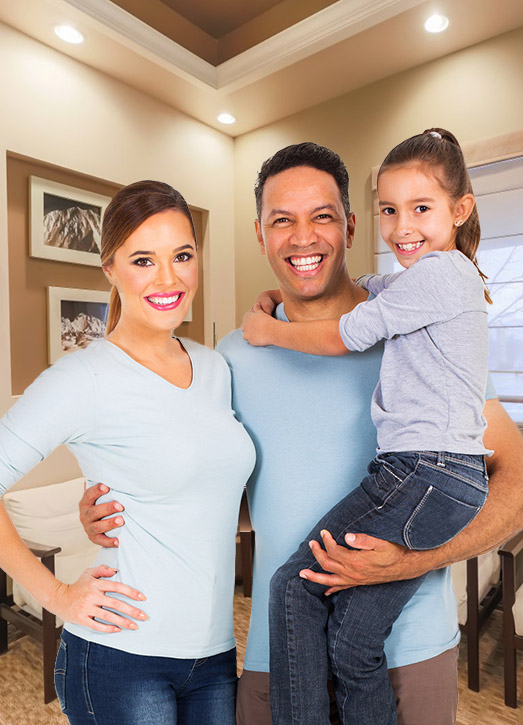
[[440, 149], [128, 209]]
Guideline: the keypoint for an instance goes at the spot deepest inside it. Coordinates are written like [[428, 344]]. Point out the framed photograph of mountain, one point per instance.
[[65, 222], [76, 317]]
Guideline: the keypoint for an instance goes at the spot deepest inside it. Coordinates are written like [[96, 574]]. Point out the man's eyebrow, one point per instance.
[[286, 212], [152, 253]]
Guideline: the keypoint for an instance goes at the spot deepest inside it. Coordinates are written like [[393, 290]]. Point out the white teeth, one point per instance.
[[164, 300], [409, 246], [306, 264]]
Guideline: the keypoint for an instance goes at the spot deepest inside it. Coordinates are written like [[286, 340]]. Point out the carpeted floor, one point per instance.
[[21, 691]]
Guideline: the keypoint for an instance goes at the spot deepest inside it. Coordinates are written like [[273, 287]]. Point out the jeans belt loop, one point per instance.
[[441, 459]]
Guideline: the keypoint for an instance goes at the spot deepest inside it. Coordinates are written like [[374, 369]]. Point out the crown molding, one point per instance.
[[329, 26], [311, 35], [147, 41]]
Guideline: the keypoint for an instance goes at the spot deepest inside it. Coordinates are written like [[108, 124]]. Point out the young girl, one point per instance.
[[429, 478]]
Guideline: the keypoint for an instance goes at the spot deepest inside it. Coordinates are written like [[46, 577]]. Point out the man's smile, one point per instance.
[[305, 264]]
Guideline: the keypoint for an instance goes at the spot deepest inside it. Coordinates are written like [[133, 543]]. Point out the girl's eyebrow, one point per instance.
[[411, 201], [151, 253]]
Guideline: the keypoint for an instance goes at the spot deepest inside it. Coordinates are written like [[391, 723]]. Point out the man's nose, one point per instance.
[[304, 233]]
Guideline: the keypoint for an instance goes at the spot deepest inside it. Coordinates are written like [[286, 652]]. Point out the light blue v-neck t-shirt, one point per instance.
[[310, 419], [177, 459]]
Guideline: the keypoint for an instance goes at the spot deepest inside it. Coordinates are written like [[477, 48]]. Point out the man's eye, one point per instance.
[[142, 262], [324, 217], [282, 220]]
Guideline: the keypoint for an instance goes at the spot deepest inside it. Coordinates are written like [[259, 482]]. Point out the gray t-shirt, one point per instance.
[[433, 318]]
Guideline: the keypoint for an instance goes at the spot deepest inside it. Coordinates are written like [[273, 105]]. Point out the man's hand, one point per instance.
[[370, 561], [257, 326], [91, 515]]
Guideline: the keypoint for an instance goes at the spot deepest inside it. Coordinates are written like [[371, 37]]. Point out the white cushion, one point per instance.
[[517, 609], [488, 572], [49, 515]]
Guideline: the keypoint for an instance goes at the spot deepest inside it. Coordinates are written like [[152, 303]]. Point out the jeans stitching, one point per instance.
[[414, 513], [85, 680], [453, 474]]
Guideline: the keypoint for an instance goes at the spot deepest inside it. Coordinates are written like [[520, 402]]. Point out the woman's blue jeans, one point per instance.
[[420, 500], [100, 685]]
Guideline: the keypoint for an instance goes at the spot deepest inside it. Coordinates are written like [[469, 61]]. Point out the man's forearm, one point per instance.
[[502, 515]]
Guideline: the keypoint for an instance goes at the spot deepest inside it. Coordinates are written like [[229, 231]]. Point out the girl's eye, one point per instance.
[[421, 208], [183, 257], [388, 210], [142, 262]]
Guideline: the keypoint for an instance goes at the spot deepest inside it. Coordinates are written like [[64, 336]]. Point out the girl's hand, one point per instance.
[[87, 598], [267, 301], [256, 327]]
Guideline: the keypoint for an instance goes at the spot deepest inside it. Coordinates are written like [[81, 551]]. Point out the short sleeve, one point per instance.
[[57, 408]]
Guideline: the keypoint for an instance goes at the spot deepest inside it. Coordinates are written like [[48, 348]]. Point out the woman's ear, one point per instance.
[[108, 271], [464, 208]]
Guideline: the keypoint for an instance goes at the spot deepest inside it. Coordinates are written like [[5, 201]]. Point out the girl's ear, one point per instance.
[[464, 208]]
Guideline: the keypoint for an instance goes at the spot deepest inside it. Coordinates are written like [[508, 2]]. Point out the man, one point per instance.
[[310, 420]]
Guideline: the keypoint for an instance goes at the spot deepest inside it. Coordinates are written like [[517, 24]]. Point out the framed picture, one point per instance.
[[65, 222], [75, 317]]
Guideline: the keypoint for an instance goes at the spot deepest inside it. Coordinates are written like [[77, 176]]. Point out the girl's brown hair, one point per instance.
[[440, 149], [128, 209]]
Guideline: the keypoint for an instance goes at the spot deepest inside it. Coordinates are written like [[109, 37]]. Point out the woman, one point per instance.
[[150, 415]]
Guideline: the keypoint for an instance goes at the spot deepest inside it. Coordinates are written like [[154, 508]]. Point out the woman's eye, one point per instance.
[[183, 257], [142, 262]]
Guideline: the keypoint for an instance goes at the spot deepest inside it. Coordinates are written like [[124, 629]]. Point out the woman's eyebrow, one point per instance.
[[151, 253]]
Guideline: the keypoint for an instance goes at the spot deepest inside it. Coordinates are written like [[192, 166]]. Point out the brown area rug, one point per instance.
[[21, 689]]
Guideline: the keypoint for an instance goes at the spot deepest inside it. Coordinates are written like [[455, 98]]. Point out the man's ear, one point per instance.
[[351, 225], [257, 227], [464, 207]]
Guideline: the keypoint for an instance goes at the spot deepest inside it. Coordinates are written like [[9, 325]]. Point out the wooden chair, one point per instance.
[[512, 575], [246, 546], [48, 514]]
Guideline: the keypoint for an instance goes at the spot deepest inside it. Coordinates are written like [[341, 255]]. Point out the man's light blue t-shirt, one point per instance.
[[309, 418]]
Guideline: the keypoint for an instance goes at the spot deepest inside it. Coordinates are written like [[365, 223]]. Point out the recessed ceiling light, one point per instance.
[[69, 34], [227, 118], [436, 24]]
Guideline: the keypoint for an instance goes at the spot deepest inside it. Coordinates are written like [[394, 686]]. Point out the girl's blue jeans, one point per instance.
[[100, 685], [417, 499]]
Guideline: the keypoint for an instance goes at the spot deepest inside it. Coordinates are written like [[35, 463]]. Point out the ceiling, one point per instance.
[[260, 60]]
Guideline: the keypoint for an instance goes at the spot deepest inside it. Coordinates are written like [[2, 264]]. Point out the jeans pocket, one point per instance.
[[438, 518], [60, 670]]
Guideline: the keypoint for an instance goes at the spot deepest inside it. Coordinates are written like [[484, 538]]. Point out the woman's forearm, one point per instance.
[[22, 566]]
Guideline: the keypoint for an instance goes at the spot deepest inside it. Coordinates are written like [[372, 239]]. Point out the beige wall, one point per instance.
[[476, 93], [65, 113]]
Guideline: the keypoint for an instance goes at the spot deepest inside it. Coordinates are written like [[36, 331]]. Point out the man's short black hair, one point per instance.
[[304, 154]]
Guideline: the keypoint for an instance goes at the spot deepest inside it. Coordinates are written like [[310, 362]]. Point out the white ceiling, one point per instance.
[[344, 46]]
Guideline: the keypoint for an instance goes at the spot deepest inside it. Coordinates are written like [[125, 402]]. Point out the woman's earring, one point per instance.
[[459, 222]]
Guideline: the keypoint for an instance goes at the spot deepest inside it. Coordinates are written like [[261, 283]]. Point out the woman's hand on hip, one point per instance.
[[89, 598]]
